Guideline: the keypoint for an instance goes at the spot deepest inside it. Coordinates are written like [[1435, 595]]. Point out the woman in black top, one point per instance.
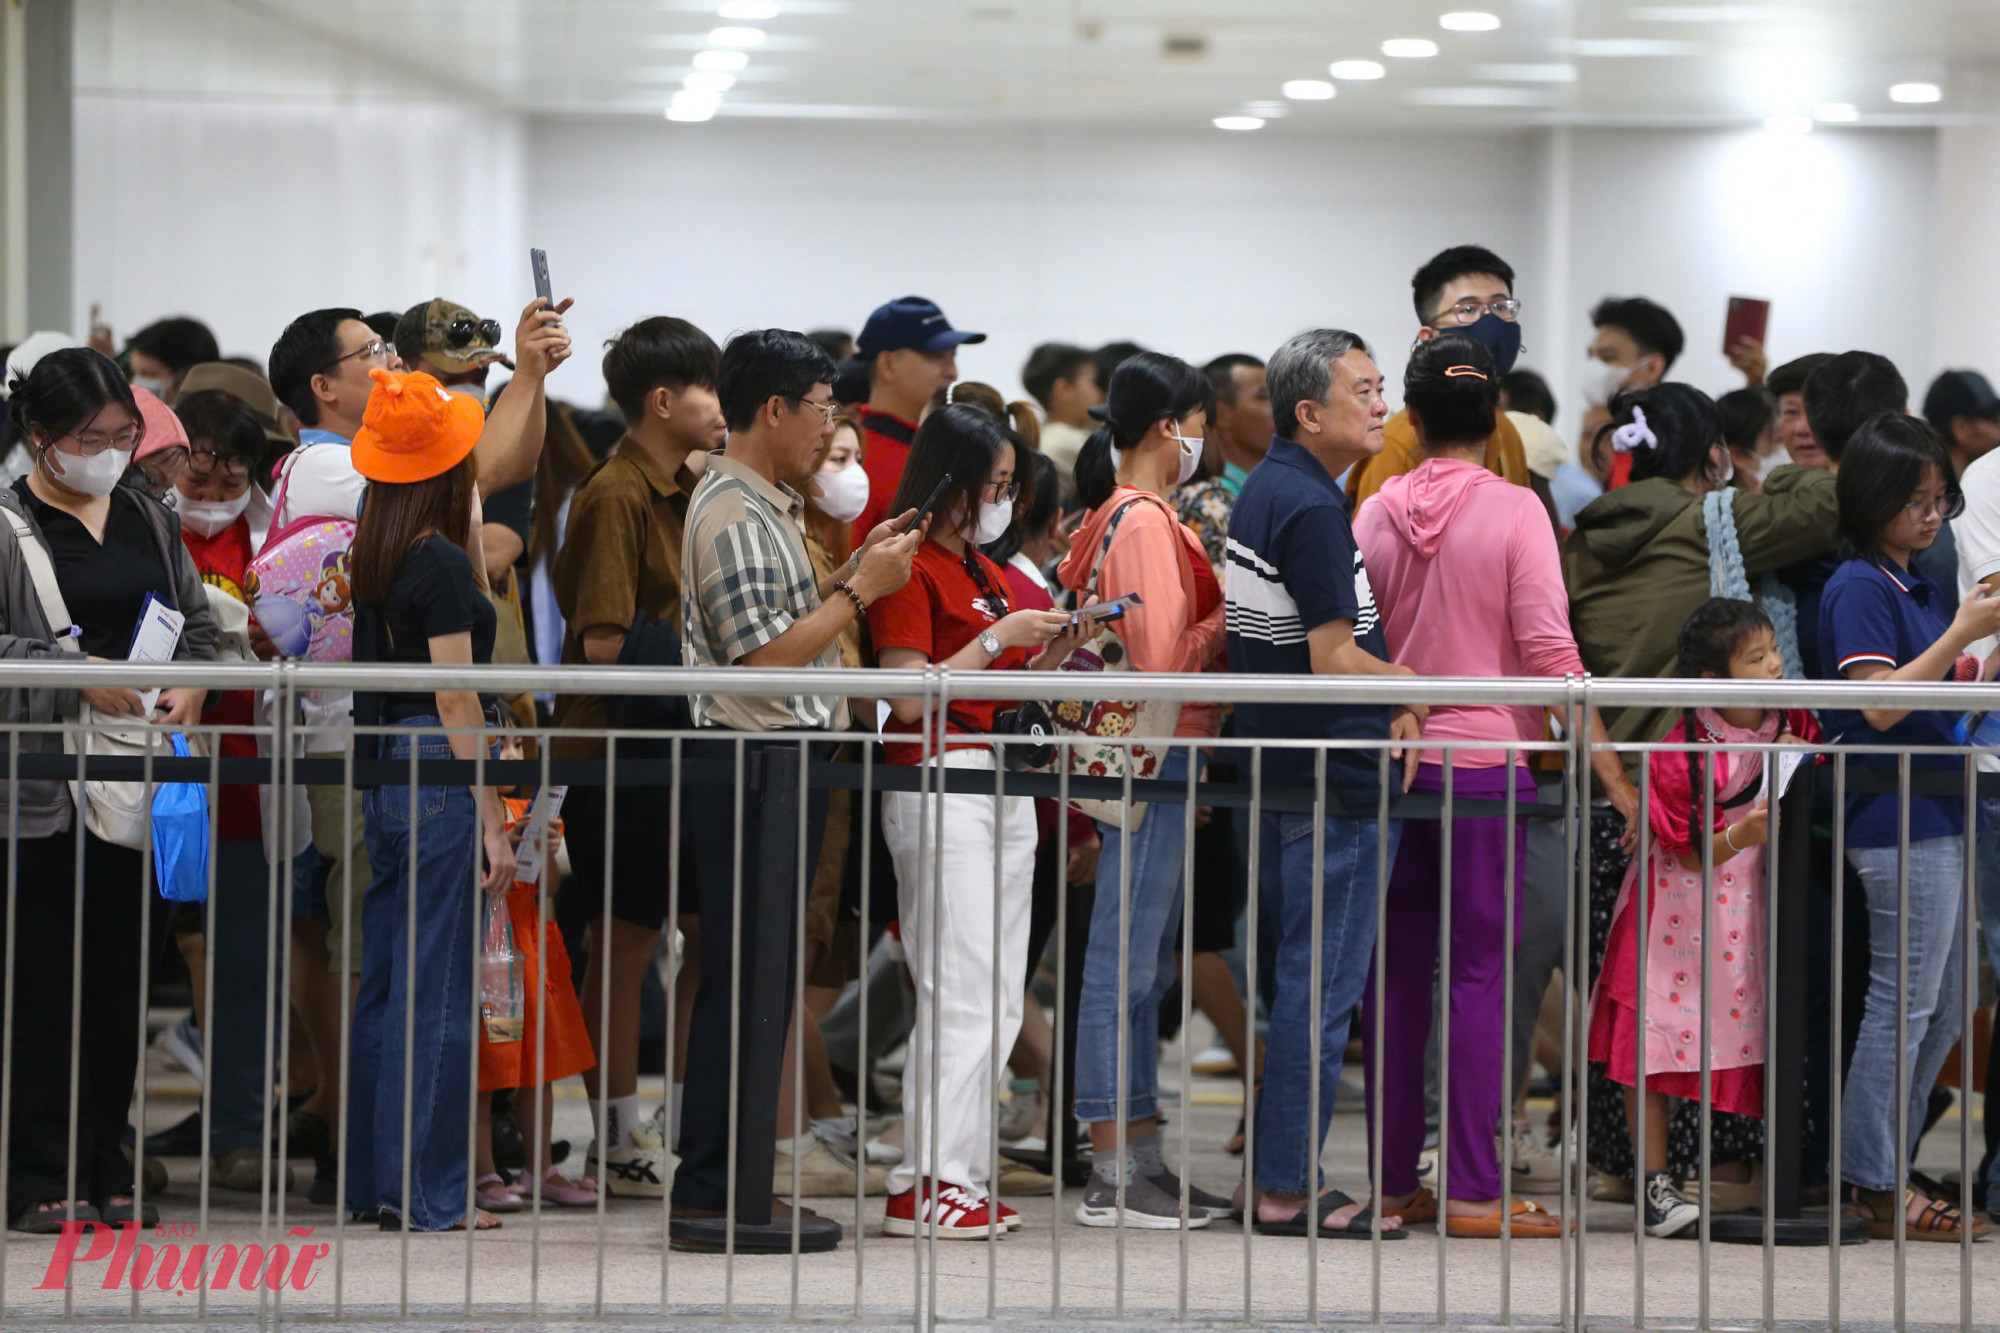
[[419, 600], [108, 547]]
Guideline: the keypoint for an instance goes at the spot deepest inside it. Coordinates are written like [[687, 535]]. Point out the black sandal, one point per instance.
[[35, 1220], [1359, 1227]]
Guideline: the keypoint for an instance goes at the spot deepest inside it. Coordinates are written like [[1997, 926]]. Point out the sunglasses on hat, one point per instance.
[[464, 329]]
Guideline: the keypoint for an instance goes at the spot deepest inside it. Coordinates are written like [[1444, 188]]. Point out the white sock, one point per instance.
[[674, 1116], [621, 1117]]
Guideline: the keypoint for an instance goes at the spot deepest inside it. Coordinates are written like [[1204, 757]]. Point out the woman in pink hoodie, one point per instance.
[[1469, 582], [1132, 541]]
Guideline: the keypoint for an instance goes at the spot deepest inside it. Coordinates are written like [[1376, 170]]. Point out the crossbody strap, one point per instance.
[[1104, 545], [42, 571]]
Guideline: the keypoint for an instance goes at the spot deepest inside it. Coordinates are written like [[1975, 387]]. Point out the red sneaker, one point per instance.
[[960, 1214]]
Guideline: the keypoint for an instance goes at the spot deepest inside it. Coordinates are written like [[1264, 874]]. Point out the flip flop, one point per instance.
[[1422, 1208], [1359, 1227], [1529, 1221]]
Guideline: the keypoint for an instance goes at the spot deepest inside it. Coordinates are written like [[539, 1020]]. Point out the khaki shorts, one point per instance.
[[335, 841]]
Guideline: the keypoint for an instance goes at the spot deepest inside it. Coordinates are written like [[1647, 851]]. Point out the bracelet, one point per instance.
[[1729, 837], [860, 607]]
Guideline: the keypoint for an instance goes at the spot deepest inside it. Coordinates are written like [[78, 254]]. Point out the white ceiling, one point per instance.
[[1108, 61]]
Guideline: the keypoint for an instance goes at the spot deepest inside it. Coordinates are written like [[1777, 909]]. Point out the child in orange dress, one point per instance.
[[559, 1022]]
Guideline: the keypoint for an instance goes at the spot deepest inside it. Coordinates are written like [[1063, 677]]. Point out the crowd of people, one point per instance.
[[814, 501]]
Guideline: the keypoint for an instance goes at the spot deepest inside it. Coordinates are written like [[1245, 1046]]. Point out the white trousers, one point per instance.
[[954, 948]]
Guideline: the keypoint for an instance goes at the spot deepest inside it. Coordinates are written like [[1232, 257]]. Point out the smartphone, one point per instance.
[[924, 511], [538, 260], [1749, 317], [1114, 609]]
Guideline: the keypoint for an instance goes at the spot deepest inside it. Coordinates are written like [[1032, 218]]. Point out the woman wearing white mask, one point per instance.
[[107, 547], [955, 613], [1132, 541]]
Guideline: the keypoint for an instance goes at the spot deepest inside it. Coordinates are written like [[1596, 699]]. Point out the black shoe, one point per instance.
[[116, 1214], [307, 1135], [36, 1221], [180, 1139], [325, 1189], [1668, 1211]]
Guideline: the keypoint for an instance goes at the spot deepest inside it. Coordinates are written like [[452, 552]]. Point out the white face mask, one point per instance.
[[843, 494], [95, 475], [206, 518], [1601, 381], [157, 387], [994, 520], [1190, 457], [1728, 465]]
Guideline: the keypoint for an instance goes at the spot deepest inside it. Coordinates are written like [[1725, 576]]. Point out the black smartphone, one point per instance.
[[538, 260], [924, 511]]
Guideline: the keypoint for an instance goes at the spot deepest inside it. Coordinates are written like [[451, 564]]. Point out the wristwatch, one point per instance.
[[991, 643]]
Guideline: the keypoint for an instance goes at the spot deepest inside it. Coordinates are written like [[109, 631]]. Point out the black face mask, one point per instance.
[[1502, 337]]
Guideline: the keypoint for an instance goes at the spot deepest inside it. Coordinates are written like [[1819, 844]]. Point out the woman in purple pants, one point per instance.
[[1468, 579]]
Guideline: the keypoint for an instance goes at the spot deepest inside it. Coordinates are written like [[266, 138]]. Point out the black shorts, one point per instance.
[[639, 869]]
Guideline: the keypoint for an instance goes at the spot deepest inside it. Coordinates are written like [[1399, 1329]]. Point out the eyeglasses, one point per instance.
[[828, 411], [375, 350], [1001, 492], [202, 464], [1920, 510], [97, 441], [464, 328], [1471, 308]]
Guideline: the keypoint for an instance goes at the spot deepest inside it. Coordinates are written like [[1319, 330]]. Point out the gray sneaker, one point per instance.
[[839, 1138], [1147, 1207], [1200, 1202]]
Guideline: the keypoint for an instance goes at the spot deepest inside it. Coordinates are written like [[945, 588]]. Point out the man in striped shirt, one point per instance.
[[750, 598]]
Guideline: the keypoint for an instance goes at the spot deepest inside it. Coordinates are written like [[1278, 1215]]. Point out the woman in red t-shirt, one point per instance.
[[954, 612]]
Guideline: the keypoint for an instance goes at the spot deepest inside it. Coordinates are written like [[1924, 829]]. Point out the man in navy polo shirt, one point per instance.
[[912, 352], [1299, 604]]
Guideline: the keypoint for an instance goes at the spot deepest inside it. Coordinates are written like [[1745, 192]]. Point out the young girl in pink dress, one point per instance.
[[1723, 638]]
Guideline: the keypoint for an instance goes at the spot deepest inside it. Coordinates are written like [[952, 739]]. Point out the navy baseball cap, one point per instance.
[[913, 322], [1959, 393]]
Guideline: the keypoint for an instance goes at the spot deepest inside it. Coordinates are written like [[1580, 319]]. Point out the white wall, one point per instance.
[[1836, 228], [232, 167], [1197, 244], [1967, 327]]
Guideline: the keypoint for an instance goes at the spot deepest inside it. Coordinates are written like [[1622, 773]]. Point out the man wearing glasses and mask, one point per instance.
[[1470, 290]]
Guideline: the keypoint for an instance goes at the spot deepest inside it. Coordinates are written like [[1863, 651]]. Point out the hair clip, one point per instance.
[[1635, 434], [1461, 372]]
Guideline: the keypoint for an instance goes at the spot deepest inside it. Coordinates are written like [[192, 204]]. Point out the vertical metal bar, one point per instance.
[[480, 907], [798, 1015], [914, 1142], [1709, 757], [271, 973], [1835, 1041], [1255, 871], [1507, 951], [1374, 1056], [673, 1012], [1576, 968], [409, 1026], [538, 1139], [1059, 1121], [1187, 1018], [1125, 1055], [993, 1059], [1968, 998], [936, 932], [602, 947], [1315, 1036], [139, 1019], [277, 933], [1773, 868], [75, 1008], [1903, 1074], [861, 826], [7, 997], [1642, 897], [347, 986], [1445, 830], [742, 793]]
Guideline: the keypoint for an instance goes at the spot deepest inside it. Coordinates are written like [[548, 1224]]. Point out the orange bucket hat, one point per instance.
[[413, 429]]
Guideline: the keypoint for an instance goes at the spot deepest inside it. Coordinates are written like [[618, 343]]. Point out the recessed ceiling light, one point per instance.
[[1631, 48], [1710, 13], [1307, 90], [1837, 113], [1915, 92], [1788, 125], [693, 106], [709, 81], [736, 37], [722, 60], [1526, 73], [1267, 110], [752, 11], [1356, 69], [1238, 124], [1469, 20], [1409, 48]]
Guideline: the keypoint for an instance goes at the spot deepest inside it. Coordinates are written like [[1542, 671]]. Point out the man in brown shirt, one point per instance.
[[1470, 290], [620, 571]]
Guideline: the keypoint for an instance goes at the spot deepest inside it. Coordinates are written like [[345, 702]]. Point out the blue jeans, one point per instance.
[[440, 999], [1933, 1012], [1157, 850], [1287, 1152]]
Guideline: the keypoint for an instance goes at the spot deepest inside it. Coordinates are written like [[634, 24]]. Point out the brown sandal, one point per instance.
[[1422, 1208], [1939, 1221], [1529, 1221]]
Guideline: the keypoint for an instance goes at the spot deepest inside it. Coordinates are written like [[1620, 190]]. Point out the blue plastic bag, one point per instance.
[[180, 836]]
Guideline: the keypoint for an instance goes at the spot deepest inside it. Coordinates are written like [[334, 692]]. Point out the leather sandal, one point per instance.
[[1529, 1221], [1939, 1221]]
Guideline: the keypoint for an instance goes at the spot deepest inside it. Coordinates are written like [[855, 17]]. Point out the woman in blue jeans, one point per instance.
[[419, 601], [1132, 541], [1883, 621]]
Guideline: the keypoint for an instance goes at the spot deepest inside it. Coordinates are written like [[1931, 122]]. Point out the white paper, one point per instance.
[[541, 815], [154, 640], [1788, 767]]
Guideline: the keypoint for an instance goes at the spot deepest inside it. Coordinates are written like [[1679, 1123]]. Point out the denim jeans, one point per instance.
[[1156, 851], [1287, 1150], [240, 1047], [1936, 924], [438, 997]]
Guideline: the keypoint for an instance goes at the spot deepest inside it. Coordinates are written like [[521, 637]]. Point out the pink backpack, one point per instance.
[[301, 587]]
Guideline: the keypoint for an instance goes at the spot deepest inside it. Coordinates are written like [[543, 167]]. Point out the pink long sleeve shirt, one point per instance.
[[1469, 582]]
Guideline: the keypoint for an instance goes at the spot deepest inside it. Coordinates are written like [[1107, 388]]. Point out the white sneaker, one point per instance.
[[1536, 1165], [642, 1169], [881, 1153], [822, 1175], [1427, 1168], [1215, 1062]]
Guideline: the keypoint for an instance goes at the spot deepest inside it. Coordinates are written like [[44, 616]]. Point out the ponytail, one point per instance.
[[1021, 416], [1096, 473]]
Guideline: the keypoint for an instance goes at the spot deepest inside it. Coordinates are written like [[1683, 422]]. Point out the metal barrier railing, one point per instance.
[[279, 1265]]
